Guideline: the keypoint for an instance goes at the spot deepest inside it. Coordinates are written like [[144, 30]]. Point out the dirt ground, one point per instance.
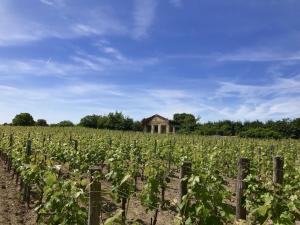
[[12, 211], [137, 213]]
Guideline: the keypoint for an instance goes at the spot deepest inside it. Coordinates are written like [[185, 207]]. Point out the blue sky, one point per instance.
[[233, 59]]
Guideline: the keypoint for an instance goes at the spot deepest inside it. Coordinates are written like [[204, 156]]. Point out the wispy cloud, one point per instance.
[[58, 101], [258, 55], [78, 64], [279, 86], [17, 29], [144, 15], [40, 67], [244, 55], [113, 57], [276, 108], [176, 3], [56, 3], [275, 100], [65, 23]]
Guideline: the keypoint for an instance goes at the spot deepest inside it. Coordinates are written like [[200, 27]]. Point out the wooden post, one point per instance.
[[185, 172], [43, 142], [155, 147], [170, 157], [10, 140], [94, 199], [271, 151], [243, 171], [163, 190], [278, 170], [28, 150], [26, 193], [123, 202], [75, 145], [9, 156]]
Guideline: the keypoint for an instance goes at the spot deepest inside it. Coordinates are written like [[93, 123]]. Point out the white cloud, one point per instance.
[[114, 52], [78, 64], [176, 3], [76, 99], [280, 86], [144, 15], [167, 93], [37, 67], [17, 28], [275, 100], [71, 100], [112, 57], [257, 55], [243, 55], [277, 108], [56, 3]]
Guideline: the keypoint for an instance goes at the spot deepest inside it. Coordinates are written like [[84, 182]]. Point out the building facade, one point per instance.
[[157, 124]]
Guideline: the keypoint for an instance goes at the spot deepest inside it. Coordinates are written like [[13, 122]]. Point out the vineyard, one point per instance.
[[78, 176]]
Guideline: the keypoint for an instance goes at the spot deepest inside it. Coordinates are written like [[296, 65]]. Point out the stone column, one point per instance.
[[173, 130], [152, 129], [167, 129], [159, 129]]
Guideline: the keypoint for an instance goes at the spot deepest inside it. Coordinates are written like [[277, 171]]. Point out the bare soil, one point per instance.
[[137, 212], [12, 210]]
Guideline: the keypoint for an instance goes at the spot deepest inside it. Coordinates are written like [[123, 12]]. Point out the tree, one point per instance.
[[137, 126], [115, 121], [296, 128], [90, 121], [23, 119], [185, 122], [102, 122], [65, 123], [41, 123]]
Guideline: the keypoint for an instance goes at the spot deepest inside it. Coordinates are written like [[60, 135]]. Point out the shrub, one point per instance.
[[260, 133], [41, 123]]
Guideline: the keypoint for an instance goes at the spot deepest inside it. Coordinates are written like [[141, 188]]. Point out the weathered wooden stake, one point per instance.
[[26, 190], [243, 171], [278, 170], [123, 202], [271, 151], [43, 142], [185, 172], [11, 140], [162, 204], [28, 150], [75, 145], [259, 154], [94, 199]]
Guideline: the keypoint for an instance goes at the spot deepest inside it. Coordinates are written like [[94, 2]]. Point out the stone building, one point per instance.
[[157, 124]]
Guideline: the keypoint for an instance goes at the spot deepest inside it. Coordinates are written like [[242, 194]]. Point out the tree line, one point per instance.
[[285, 128], [184, 123], [112, 121]]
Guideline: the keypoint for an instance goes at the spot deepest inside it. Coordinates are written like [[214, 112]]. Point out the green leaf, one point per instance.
[[115, 219], [125, 179], [50, 179], [262, 210]]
